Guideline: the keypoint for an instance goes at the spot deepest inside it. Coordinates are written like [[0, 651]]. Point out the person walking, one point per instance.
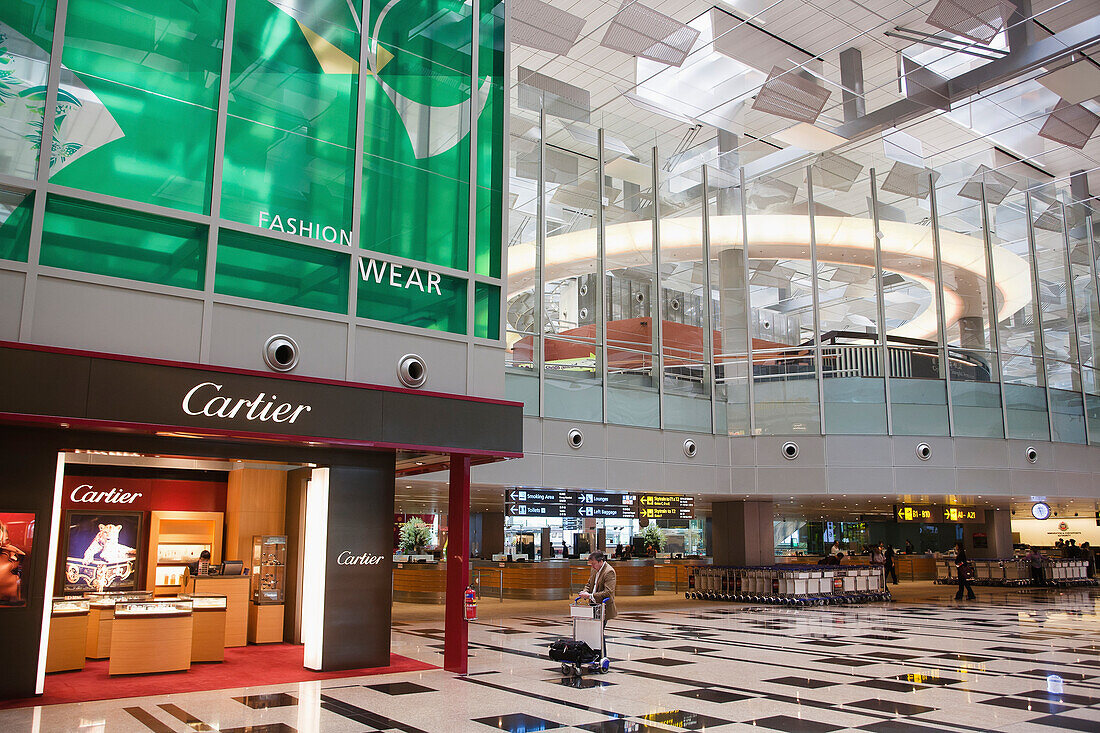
[[601, 585], [891, 570], [1035, 563], [962, 568]]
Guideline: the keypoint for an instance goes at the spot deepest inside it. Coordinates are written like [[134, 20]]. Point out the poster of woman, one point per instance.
[[101, 551], [16, 538]]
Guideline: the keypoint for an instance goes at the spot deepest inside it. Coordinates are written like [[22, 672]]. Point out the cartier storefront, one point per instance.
[[123, 472]]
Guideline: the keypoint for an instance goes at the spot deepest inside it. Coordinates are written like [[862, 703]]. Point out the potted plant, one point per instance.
[[654, 539], [414, 536]]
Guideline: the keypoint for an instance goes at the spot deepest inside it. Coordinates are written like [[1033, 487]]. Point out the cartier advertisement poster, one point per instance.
[[16, 538], [101, 551]]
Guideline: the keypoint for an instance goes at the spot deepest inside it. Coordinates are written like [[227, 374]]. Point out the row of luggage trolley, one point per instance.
[[1016, 571], [789, 585]]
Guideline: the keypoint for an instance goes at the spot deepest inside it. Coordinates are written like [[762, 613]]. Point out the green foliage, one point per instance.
[[415, 534], [654, 537]]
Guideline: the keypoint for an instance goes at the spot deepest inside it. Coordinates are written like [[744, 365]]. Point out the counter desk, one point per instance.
[[237, 592], [526, 581]]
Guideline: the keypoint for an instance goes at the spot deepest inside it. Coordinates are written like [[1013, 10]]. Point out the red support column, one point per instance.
[[456, 632]]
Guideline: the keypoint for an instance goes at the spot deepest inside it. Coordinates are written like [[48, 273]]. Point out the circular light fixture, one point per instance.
[[790, 450], [575, 438], [1040, 510], [412, 371], [281, 353]]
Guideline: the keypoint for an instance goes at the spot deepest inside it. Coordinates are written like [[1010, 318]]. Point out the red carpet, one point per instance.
[[245, 666]]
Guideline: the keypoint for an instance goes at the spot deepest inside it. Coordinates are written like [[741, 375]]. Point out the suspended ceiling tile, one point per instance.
[[997, 186], [642, 31], [810, 137], [1074, 83], [540, 25], [909, 180], [978, 20], [1070, 124], [792, 96], [836, 172]]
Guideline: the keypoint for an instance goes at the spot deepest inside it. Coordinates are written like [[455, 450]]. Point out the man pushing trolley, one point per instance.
[[589, 612]]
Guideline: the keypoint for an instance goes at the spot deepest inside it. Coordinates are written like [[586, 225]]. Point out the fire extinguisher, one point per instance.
[[471, 604]]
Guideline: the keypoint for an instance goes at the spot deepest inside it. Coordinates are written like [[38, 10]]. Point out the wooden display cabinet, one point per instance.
[[151, 636], [68, 635], [176, 539]]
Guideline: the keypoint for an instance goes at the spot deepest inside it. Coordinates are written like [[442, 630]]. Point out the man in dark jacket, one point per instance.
[[962, 568]]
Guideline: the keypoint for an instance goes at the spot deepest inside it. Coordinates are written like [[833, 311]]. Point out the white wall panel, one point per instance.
[[115, 320], [377, 352], [11, 304]]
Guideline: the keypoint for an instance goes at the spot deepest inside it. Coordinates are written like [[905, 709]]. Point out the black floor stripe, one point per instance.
[[146, 718], [185, 717], [366, 717]]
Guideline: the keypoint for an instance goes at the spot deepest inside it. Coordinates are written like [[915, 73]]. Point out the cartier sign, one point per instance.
[[205, 398], [349, 558], [86, 494]]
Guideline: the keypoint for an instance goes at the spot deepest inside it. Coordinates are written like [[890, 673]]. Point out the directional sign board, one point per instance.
[[565, 503], [666, 506]]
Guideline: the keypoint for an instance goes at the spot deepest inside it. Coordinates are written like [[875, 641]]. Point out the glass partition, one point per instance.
[[1018, 323], [852, 377], [26, 35], [781, 325], [730, 300], [521, 376], [971, 341], [572, 334], [918, 387], [685, 298], [632, 288]]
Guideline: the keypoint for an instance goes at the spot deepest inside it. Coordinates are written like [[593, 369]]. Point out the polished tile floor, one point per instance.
[[1016, 661]]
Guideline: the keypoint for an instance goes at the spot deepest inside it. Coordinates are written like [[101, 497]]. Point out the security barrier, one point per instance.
[[1016, 571], [789, 585]]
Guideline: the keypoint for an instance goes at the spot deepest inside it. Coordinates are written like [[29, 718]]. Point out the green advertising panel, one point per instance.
[[140, 95], [106, 240], [281, 272], [137, 119], [26, 34], [411, 296], [490, 142], [486, 311], [15, 224], [416, 175], [290, 129]]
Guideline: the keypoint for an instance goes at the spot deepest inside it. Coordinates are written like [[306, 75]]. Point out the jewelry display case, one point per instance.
[[68, 632], [268, 568], [151, 636]]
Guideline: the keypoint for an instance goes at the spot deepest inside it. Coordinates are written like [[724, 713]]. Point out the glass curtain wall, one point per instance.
[[837, 298]]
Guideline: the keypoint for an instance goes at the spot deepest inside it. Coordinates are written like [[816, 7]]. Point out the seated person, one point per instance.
[[202, 565]]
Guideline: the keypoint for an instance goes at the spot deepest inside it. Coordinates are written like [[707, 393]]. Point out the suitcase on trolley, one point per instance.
[[571, 651], [587, 650]]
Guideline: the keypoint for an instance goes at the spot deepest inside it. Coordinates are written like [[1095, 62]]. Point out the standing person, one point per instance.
[[890, 569], [1084, 552], [962, 567], [1035, 562], [564, 549], [1070, 550], [878, 555], [835, 549], [908, 547], [601, 585]]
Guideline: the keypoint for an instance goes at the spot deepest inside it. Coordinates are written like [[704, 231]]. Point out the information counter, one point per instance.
[[151, 636], [526, 581], [68, 634], [552, 580], [237, 592], [415, 582]]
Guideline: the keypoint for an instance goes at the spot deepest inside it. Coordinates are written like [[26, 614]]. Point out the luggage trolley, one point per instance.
[[588, 650]]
